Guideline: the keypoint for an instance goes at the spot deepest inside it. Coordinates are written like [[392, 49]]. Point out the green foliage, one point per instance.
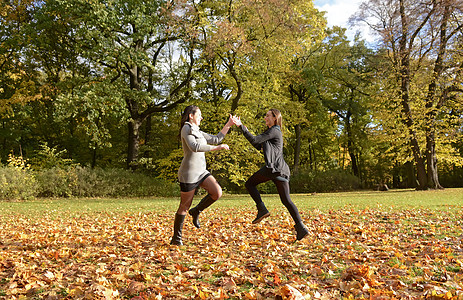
[[232, 168], [56, 182], [451, 176], [250, 45], [167, 168], [319, 146], [17, 181], [48, 158], [130, 47], [336, 180], [95, 108], [17, 84], [87, 182], [74, 73], [336, 85]]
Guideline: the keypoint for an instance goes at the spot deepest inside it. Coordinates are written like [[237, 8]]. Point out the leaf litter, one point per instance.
[[365, 254]]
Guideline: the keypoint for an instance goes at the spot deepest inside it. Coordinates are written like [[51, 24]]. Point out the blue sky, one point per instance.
[[338, 12]]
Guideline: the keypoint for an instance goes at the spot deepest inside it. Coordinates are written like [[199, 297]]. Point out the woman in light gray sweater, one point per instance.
[[192, 172]]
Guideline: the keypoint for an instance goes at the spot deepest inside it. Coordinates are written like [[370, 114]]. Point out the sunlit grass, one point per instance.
[[447, 199]]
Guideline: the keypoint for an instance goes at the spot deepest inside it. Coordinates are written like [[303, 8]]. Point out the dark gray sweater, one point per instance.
[[271, 143]]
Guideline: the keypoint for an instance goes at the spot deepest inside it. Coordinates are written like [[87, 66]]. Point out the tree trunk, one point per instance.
[[311, 155], [239, 89], [431, 157], [350, 146], [133, 144], [297, 149], [4, 139], [419, 162], [93, 165], [431, 160], [148, 129], [405, 101]]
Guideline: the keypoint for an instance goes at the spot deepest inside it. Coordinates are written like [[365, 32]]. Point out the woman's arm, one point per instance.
[[257, 140], [194, 146], [227, 126], [216, 139], [220, 147], [191, 142]]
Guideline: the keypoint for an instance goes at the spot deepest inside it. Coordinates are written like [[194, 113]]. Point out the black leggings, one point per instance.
[[282, 184]]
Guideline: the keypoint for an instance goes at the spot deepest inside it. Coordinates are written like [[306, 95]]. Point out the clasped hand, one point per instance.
[[236, 120], [232, 120]]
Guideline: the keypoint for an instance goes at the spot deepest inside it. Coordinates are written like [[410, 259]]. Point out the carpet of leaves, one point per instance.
[[372, 254]]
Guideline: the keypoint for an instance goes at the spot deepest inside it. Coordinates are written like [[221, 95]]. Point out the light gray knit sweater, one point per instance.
[[195, 144]]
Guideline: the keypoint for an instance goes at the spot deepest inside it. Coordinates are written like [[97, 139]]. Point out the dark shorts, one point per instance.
[[186, 187], [266, 172]]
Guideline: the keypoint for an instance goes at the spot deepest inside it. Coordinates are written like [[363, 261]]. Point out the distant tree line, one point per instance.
[[104, 83]]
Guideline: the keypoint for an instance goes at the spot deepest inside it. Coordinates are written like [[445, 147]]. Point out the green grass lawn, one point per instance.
[[390, 200]]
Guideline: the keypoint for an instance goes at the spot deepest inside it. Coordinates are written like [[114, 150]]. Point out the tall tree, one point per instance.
[[248, 48], [420, 38], [251, 45], [18, 82], [13, 18], [144, 51], [338, 76]]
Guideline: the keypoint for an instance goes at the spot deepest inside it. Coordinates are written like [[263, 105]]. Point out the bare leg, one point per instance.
[[186, 198], [214, 192], [212, 187]]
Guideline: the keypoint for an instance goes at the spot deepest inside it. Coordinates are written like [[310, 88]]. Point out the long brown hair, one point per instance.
[[277, 114], [191, 109]]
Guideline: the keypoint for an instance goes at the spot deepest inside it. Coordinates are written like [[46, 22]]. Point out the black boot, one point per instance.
[[262, 212], [178, 226], [301, 231], [202, 205]]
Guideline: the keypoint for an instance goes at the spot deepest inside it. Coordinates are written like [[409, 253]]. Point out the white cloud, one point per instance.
[[338, 13]]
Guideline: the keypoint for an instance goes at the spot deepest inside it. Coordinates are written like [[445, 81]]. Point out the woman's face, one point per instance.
[[270, 119], [196, 117]]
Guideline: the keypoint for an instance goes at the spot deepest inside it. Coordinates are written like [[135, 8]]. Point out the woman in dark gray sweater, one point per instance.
[[275, 169], [192, 172]]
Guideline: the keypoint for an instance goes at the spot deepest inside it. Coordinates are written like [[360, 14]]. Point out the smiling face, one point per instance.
[[196, 117], [270, 119]]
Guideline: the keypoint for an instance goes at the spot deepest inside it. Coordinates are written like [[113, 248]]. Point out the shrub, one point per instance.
[[167, 168], [143, 185], [49, 158], [17, 181], [17, 184], [119, 182], [56, 182], [86, 182], [309, 181]]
